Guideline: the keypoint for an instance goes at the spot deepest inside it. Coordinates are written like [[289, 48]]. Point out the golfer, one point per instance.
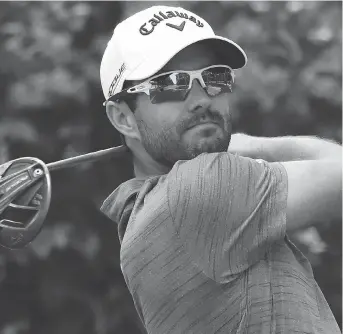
[[204, 224]]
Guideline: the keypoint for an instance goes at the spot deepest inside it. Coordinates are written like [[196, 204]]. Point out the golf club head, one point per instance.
[[25, 194]]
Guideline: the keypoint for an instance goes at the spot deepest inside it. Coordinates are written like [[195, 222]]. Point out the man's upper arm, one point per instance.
[[227, 210], [314, 192]]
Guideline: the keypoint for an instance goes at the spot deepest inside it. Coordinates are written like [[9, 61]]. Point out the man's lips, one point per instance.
[[202, 123]]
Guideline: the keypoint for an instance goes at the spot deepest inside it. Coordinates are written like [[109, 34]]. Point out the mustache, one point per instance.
[[210, 115]]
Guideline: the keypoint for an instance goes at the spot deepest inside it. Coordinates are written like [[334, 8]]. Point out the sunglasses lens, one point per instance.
[[217, 80], [169, 87], [174, 86]]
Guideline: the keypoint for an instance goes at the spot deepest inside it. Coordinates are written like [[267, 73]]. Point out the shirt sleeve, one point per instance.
[[227, 210]]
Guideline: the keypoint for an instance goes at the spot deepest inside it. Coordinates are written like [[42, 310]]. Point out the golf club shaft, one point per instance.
[[89, 157]]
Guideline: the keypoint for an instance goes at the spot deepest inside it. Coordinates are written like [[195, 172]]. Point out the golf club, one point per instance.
[[25, 194]]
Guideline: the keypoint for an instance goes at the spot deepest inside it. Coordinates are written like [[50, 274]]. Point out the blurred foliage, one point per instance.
[[69, 279]]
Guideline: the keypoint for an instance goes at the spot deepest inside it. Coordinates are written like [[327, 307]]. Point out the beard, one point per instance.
[[166, 146]]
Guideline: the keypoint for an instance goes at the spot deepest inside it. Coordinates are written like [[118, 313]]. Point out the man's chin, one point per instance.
[[209, 146]]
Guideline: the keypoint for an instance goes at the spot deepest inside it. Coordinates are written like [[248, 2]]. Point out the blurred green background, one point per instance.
[[69, 279]]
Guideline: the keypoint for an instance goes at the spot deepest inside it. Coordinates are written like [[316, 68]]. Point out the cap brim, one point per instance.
[[228, 52]]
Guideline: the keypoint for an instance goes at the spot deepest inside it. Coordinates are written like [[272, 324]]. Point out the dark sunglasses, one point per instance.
[[175, 85]]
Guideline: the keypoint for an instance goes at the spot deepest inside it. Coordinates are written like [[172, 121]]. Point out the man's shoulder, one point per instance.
[[114, 204], [126, 194]]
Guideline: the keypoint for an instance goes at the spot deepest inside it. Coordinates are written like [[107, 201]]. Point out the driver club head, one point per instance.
[[25, 194]]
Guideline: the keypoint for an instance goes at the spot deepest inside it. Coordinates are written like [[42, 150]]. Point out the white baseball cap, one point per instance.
[[145, 42]]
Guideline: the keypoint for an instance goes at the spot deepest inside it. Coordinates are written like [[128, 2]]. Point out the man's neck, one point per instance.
[[148, 168]]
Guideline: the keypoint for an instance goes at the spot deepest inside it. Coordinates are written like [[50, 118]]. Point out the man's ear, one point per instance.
[[122, 118]]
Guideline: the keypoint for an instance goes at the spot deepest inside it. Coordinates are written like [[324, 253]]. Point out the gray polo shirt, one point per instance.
[[204, 250]]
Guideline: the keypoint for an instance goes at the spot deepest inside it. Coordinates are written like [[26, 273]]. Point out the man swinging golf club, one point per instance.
[[204, 224]]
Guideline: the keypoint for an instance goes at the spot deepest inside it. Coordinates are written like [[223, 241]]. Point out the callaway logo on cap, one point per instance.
[[145, 29], [143, 43]]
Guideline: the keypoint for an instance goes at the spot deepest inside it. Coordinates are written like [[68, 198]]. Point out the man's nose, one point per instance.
[[198, 97]]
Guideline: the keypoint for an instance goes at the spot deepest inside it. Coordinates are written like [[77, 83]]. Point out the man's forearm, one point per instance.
[[285, 148]]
